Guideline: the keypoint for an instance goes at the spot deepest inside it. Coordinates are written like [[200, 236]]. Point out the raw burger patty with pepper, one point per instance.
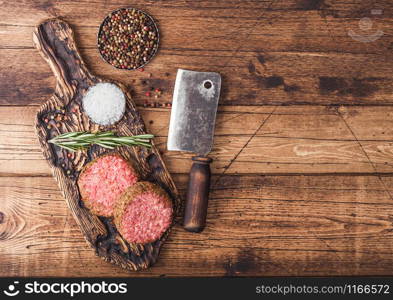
[[143, 213], [103, 180]]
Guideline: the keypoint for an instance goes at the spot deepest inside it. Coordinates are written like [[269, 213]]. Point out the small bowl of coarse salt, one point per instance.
[[104, 103]]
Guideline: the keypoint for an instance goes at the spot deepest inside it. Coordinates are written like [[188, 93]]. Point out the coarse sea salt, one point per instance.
[[104, 103]]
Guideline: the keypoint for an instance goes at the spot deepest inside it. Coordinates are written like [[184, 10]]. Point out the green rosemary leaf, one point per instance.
[[86, 136], [68, 148], [107, 133], [105, 146], [146, 136], [141, 140], [67, 135], [108, 143], [69, 142]]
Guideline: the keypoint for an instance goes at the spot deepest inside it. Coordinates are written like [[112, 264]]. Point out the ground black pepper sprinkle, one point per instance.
[[128, 38]]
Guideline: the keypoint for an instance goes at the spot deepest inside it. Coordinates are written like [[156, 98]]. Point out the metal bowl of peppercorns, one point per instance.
[[128, 38]]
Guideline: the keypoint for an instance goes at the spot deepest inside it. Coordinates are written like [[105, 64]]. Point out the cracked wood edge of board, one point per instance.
[[54, 38]]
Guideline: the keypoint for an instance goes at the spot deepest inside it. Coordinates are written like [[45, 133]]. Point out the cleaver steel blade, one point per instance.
[[191, 128], [194, 108]]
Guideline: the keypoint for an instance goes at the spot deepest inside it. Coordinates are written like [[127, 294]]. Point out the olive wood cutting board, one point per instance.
[[62, 113]]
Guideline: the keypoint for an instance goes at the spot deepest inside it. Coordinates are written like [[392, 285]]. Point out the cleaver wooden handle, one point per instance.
[[197, 194]]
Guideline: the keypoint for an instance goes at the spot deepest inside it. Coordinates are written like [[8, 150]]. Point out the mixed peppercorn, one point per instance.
[[128, 38], [54, 121], [156, 93], [54, 118]]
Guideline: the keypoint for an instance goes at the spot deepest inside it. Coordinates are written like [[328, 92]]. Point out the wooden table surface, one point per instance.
[[303, 152]]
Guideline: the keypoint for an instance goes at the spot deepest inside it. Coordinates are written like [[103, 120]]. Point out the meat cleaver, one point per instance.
[[191, 129]]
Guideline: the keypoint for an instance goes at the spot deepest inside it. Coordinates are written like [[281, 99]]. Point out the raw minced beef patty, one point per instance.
[[103, 180], [143, 213]]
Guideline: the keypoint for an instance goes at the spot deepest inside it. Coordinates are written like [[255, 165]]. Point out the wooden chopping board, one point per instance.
[[62, 113]]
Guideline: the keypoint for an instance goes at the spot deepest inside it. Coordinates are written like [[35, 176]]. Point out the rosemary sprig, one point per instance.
[[80, 140]]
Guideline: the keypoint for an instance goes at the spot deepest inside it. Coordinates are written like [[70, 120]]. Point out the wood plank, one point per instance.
[[268, 25], [251, 78], [294, 225], [292, 140], [264, 46]]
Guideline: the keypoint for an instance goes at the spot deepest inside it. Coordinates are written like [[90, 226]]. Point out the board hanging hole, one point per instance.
[[207, 84]]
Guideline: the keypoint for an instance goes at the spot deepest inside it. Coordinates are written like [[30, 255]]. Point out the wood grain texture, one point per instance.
[[256, 225], [294, 140], [296, 51], [195, 208], [54, 40], [326, 79], [302, 172]]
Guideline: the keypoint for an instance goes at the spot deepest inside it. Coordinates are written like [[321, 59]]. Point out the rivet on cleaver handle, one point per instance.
[[191, 128]]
